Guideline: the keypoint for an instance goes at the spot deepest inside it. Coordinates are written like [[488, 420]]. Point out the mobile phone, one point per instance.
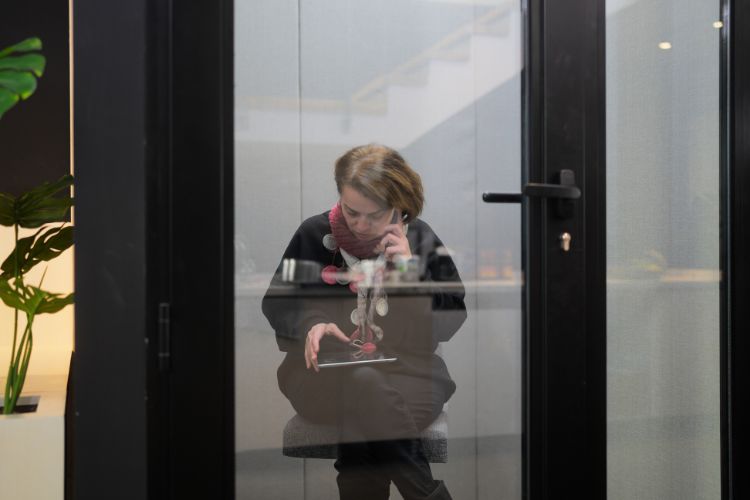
[[394, 220]]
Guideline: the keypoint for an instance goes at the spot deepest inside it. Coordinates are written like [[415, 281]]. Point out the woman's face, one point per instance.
[[364, 217]]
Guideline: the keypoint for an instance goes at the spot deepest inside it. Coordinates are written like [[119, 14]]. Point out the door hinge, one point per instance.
[[164, 352]]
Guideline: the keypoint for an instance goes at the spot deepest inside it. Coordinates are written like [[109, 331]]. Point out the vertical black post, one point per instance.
[[110, 140], [724, 251], [159, 78], [194, 386], [565, 433], [738, 341]]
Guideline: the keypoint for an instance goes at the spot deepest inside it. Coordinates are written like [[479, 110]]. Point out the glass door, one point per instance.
[[664, 248], [439, 82], [565, 345]]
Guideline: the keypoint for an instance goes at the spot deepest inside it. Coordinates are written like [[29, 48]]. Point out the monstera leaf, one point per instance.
[[39, 247], [33, 300], [37, 206], [20, 66]]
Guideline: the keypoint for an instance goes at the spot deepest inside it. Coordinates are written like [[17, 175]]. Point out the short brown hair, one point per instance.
[[381, 174]]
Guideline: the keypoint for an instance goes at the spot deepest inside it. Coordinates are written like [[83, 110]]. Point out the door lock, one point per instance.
[[565, 241]]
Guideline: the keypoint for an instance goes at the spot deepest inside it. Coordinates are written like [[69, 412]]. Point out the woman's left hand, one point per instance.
[[394, 242]]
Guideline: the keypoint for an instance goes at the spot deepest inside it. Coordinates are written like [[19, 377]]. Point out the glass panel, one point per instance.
[[439, 81], [663, 87]]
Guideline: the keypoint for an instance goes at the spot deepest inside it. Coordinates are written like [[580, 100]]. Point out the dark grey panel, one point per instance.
[[110, 144]]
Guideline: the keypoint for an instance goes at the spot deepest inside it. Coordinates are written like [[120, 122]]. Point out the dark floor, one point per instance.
[[483, 468]]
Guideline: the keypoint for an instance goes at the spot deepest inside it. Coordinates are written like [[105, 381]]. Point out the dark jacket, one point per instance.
[[419, 316]]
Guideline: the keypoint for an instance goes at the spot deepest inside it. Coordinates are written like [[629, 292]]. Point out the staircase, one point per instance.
[[398, 107]]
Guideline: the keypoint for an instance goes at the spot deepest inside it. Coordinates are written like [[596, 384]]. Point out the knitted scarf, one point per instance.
[[345, 239]]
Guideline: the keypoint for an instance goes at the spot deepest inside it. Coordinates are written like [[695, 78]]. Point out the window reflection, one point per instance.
[[440, 83]]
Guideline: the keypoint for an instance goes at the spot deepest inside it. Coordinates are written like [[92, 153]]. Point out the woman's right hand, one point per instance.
[[312, 342]]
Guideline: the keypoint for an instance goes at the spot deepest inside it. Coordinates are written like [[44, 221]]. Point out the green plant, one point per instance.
[[20, 66], [33, 209]]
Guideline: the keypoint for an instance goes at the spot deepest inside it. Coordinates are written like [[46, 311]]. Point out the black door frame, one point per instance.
[[191, 309], [565, 438], [154, 151], [736, 271]]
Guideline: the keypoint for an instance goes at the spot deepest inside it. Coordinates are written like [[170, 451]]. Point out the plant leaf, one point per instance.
[[6, 209], [33, 43], [10, 296], [37, 206], [23, 246], [33, 300], [33, 63], [19, 69], [37, 248], [8, 99], [50, 245], [48, 189], [21, 83], [45, 191], [50, 210], [53, 302]]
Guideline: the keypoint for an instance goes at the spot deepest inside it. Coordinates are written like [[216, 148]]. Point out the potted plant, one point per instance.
[[44, 208]]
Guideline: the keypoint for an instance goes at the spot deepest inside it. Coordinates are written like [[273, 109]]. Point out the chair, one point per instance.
[[304, 439]]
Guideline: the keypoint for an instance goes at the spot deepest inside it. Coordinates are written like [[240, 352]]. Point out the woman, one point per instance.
[[380, 408]]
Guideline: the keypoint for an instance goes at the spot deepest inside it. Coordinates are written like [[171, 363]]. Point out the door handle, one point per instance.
[[552, 191], [565, 192]]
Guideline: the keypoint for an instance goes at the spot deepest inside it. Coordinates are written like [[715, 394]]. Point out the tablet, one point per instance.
[[351, 358]]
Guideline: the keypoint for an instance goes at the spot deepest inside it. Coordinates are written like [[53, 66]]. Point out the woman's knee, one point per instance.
[[367, 379], [370, 390]]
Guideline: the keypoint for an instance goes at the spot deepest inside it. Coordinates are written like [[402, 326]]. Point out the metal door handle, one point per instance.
[[537, 190], [552, 191], [564, 192]]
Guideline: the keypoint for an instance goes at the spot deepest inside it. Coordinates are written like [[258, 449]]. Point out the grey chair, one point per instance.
[[304, 439]]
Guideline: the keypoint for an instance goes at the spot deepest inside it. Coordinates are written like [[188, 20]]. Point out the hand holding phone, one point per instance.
[[394, 241]]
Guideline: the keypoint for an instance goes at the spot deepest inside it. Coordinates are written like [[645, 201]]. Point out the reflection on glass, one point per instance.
[[440, 83], [663, 305], [378, 408]]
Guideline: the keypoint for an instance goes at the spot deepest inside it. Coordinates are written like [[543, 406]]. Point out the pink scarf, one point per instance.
[[346, 239]]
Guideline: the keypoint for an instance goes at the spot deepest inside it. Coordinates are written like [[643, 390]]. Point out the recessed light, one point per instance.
[[718, 24]]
